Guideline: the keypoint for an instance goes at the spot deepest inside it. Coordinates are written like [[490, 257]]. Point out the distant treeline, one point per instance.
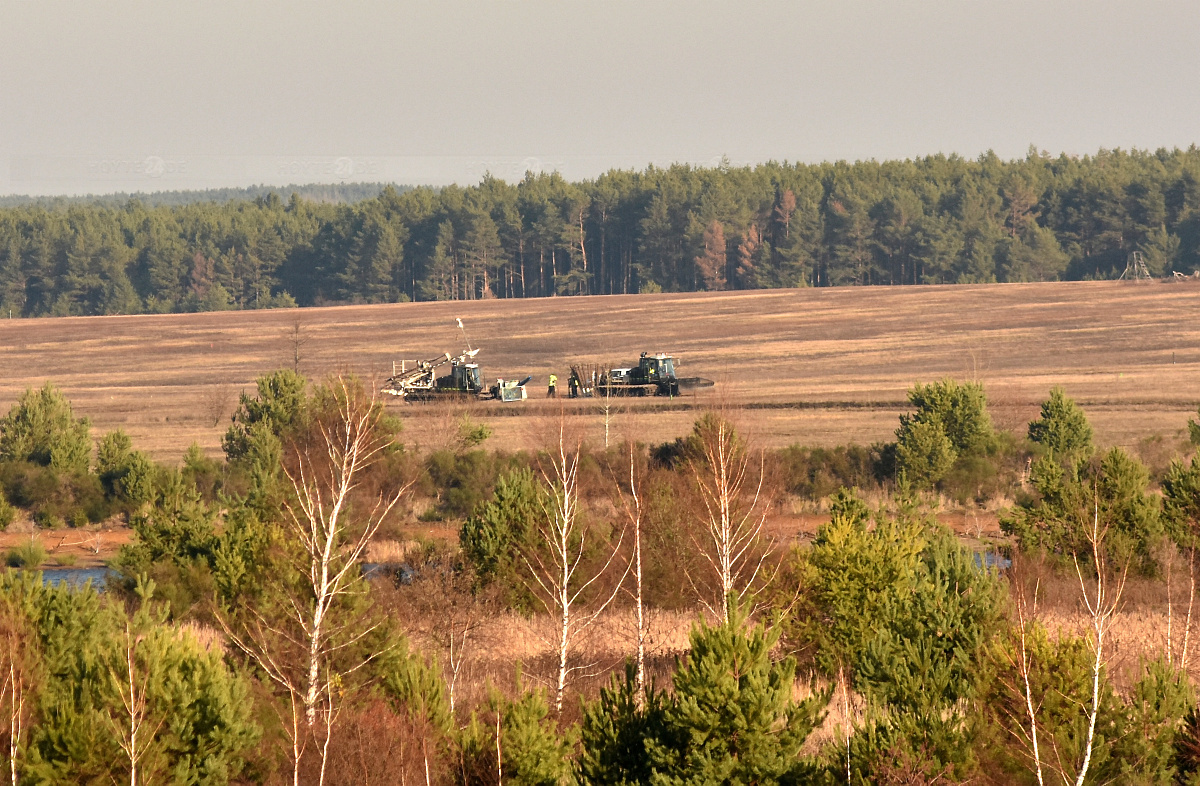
[[934, 220], [318, 192]]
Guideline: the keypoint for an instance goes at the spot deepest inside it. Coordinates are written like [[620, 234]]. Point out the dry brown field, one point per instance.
[[814, 366]]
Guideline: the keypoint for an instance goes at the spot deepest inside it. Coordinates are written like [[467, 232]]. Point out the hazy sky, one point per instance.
[[107, 96]]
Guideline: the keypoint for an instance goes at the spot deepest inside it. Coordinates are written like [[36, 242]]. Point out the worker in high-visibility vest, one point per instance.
[[552, 390]]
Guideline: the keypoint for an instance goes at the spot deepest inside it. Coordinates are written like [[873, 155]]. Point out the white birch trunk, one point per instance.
[[555, 579], [1102, 610]]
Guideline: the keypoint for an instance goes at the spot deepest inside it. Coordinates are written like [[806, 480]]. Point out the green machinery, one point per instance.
[[420, 381], [654, 375]]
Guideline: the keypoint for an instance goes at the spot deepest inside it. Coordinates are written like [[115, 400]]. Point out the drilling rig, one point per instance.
[[420, 382]]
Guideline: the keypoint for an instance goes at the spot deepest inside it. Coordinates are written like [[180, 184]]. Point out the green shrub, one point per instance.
[[951, 422], [55, 498], [1063, 430], [29, 555], [42, 429], [49, 520], [7, 512], [1116, 488], [977, 478], [816, 473], [462, 481]]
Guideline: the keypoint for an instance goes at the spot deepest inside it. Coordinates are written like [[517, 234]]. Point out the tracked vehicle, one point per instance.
[[654, 375], [420, 381]]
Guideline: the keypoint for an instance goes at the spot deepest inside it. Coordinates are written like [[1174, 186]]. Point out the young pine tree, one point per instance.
[[731, 718], [41, 428], [615, 730], [513, 741], [1063, 430]]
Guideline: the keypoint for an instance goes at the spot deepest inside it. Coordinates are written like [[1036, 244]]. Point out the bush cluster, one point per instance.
[[884, 610]]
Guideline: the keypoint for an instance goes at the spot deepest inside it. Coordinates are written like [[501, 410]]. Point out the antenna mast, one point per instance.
[[466, 340]]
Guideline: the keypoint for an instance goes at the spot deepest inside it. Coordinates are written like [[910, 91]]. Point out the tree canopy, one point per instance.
[[938, 219]]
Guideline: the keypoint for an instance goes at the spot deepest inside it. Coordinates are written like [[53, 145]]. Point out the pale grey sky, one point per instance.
[[108, 96]]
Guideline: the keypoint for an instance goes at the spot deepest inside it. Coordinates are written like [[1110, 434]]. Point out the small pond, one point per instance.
[[75, 577], [992, 559]]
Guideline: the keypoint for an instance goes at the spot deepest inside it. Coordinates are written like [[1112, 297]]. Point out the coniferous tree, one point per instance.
[[1181, 501], [731, 717], [193, 716], [41, 428], [513, 741], [276, 409], [494, 534], [615, 731], [1116, 488], [951, 423], [1063, 430]]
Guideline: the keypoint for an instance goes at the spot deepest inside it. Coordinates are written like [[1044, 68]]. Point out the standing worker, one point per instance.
[[552, 390]]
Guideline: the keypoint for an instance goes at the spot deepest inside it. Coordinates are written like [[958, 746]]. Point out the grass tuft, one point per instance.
[[30, 555]]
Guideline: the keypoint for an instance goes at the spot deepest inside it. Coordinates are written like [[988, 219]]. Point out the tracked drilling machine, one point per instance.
[[421, 383]]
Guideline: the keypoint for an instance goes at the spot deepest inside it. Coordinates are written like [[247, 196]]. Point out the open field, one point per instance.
[[816, 366]]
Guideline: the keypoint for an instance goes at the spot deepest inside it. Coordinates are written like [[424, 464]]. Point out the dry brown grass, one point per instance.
[[508, 638], [507, 644], [390, 552], [204, 637], [818, 366], [1139, 633]]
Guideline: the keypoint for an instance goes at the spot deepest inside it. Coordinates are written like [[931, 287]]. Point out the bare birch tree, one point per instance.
[[1187, 624], [607, 407], [13, 696], [1026, 613], [332, 541], [734, 506], [557, 574], [131, 682], [1168, 557], [19, 670], [632, 504], [1102, 606]]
